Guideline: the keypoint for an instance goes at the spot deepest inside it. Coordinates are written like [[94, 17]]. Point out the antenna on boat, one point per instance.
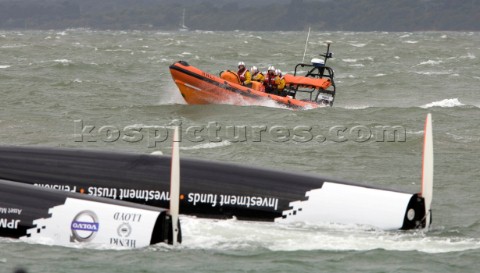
[[306, 43], [328, 54]]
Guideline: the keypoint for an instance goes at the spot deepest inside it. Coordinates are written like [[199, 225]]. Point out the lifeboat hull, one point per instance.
[[199, 87]]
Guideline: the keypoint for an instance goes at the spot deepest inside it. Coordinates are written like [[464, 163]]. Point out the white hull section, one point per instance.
[[94, 223], [348, 204]]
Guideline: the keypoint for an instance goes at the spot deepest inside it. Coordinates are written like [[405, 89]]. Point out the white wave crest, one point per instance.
[[419, 133], [4, 66], [447, 103], [118, 50], [207, 145], [12, 46], [428, 73], [62, 61], [356, 107], [468, 56], [430, 62], [205, 31], [358, 45], [464, 139]]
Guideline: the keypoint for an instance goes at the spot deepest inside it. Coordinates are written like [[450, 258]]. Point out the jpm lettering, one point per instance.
[[11, 224]]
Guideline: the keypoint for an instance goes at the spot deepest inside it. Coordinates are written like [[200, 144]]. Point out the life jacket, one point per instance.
[[259, 77], [270, 80], [241, 74], [281, 83]]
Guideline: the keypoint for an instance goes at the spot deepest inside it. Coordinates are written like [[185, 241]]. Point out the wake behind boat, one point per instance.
[[315, 89]]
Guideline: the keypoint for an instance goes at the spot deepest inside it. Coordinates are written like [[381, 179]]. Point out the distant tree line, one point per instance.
[[265, 15]]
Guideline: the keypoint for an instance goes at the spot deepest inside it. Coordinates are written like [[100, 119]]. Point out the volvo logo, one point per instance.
[[84, 226]]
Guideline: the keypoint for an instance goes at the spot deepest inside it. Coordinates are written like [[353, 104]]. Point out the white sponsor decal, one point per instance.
[[84, 226], [57, 187], [9, 223], [16, 211], [124, 230], [113, 193], [232, 200], [103, 192], [127, 217], [82, 221], [144, 195]]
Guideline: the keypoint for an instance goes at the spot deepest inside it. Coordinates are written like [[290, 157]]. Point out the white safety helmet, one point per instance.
[[272, 68], [254, 69], [278, 72], [241, 63]]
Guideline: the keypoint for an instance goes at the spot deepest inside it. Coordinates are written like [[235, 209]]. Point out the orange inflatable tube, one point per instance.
[[291, 80], [230, 76]]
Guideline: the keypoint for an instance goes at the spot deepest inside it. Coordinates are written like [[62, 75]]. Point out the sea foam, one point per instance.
[[234, 235], [446, 103], [207, 145]]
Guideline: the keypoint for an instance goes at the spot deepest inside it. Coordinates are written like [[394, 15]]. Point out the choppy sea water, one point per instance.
[[56, 83]]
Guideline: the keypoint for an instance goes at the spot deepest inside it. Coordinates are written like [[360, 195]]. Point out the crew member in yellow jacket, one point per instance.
[[257, 75], [244, 75], [280, 81]]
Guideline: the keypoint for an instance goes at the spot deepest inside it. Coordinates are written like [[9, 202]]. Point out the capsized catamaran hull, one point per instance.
[[212, 189], [64, 218]]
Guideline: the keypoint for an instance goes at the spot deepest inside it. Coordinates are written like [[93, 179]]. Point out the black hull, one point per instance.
[[29, 212], [209, 189]]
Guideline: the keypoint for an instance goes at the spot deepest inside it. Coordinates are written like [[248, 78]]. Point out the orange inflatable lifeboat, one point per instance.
[[315, 89]]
